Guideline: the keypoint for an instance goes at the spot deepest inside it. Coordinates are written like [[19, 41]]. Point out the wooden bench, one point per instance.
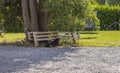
[[42, 36], [70, 35]]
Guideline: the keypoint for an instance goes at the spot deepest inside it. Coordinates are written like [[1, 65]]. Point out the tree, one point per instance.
[[68, 12], [114, 2], [25, 10], [38, 13], [11, 15], [101, 2], [35, 16], [1, 16], [109, 2]]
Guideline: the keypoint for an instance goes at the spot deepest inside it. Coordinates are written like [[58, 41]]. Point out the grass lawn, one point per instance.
[[100, 38], [12, 37], [97, 38]]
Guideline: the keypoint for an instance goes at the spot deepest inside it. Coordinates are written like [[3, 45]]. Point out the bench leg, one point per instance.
[[36, 43]]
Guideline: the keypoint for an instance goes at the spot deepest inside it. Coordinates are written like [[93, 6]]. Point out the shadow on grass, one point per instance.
[[89, 38], [13, 59], [88, 32]]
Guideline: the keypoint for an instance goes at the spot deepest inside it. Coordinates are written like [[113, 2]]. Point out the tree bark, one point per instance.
[[35, 19], [1, 3], [26, 17], [44, 17], [34, 15], [41, 15], [47, 18]]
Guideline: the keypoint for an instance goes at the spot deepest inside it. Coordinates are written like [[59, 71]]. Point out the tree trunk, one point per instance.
[[41, 15], [1, 4], [34, 15], [47, 21], [35, 19], [26, 17], [44, 17]]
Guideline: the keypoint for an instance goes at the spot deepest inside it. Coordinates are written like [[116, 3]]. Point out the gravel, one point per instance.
[[15, 59]]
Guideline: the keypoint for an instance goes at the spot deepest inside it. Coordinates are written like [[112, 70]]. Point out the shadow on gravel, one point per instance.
[[13, 59]]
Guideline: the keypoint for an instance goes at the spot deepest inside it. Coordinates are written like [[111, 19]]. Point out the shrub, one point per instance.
[[108, 15]]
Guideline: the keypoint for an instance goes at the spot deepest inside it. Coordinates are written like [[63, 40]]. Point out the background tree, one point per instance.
[[110, 2], [38, 13], [114, 2], [26, 14], [101, 2], [11, 15], [67, 14], [35, 16], [1, 15]]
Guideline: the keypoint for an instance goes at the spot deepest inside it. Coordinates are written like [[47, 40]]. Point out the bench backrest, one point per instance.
[[42, 36]]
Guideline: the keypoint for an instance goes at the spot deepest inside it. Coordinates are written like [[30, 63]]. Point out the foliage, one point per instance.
[[93, 17], [1, 19], [68, 14], [93, 2], [1, 15], [114, 2], [101, 2], [12, 16], [109, 2], [108, 15]]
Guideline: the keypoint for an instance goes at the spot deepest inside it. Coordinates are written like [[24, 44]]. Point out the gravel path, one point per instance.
[[55, 60]]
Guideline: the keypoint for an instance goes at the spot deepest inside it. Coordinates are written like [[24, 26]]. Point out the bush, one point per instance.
[[11, 16], [108, 15]]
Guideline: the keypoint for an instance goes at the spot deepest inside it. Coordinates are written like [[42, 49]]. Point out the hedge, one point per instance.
[[107, 15]]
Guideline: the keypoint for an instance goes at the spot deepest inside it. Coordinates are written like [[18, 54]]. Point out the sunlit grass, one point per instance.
[[100, 38], [97, 38], [12, 37]]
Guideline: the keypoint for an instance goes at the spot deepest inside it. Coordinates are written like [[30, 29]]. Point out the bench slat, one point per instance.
[[45, 33], [42, 36], [45, 39], [46, 36]]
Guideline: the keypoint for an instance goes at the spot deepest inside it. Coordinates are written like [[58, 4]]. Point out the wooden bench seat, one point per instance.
[[42, 36]]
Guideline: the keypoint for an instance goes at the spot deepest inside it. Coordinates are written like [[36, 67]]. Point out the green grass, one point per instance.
[[12, 37], [98, 38]]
